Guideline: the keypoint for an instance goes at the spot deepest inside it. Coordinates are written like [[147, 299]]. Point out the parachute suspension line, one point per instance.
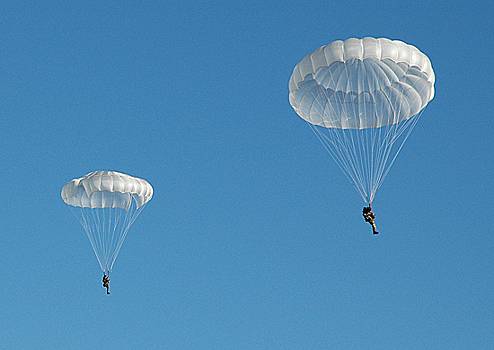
[[129, 221], [106, 229], [340, 160], [399, 135], [386, 147], [88, 230], [113, 232], [407, 130], [338, 148]]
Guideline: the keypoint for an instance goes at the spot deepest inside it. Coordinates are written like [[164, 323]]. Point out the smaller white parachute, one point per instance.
[[107, 203], [107, 189]]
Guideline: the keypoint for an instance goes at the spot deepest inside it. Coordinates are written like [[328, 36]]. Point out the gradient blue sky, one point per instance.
[[254, 239]]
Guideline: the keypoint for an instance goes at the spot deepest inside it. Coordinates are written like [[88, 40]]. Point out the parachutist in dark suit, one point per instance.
[[106, 283], [370, 218]]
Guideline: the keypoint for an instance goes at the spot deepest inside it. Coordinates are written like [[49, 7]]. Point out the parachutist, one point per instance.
[[370, 218], [106, 283]]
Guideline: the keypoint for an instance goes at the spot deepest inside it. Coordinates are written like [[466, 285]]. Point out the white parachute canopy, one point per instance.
[[107, 203], [362, 98]]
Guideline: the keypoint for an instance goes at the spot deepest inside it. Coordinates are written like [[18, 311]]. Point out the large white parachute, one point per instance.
[[362, 98], [107, 203]]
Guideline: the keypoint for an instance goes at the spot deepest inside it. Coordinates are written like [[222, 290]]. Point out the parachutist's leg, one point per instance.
[[374, 228]]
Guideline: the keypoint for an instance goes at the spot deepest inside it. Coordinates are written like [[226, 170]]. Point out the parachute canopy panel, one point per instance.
[[107, 189], [361, 83]]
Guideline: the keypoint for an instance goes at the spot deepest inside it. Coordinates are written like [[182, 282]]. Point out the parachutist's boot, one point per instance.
[[374, 229]]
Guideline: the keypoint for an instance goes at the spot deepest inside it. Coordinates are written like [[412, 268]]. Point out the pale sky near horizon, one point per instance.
[[254, 238]]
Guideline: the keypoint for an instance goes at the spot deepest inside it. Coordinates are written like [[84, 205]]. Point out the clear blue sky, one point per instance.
[[254, 239]]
